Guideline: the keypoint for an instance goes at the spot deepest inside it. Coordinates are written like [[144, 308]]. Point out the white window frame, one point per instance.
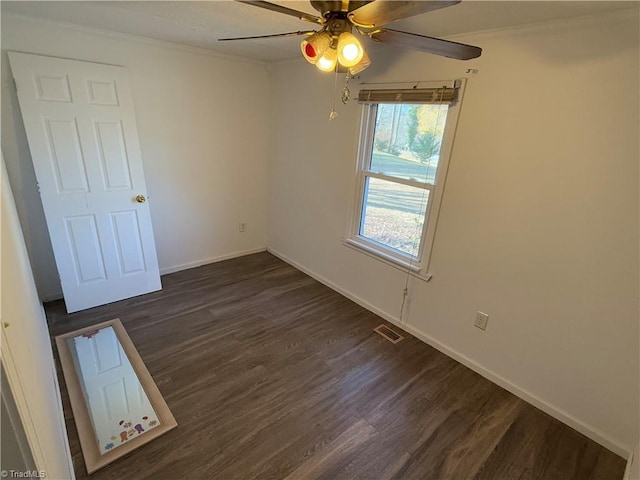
[[417, 266]]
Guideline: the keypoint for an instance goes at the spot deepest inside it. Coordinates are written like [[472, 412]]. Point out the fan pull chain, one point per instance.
[[333, 114], [346, 93]]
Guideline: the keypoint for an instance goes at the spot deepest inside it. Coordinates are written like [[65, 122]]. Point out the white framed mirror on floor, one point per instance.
[[116, 404]]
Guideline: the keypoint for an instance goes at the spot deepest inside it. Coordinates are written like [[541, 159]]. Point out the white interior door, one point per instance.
[[82, 134]]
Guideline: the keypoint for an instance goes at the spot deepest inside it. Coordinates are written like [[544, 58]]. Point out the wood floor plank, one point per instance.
[[271, 375], [537, 446], [337, 451]]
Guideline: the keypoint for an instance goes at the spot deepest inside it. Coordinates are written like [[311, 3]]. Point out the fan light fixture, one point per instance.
[[334, 48], [331, 47]]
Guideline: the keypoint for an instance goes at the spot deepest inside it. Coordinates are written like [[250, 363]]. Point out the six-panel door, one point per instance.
[[82, 135]]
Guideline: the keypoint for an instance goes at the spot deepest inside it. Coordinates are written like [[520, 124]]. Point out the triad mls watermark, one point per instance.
[[23, 474]]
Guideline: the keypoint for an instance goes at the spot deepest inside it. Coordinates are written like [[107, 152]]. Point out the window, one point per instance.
[[404, 146]]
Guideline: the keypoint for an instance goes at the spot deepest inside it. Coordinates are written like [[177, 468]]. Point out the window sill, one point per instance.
[[414, 269]]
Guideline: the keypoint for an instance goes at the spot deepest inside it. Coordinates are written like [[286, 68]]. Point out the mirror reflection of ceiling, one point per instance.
[[200, 24]]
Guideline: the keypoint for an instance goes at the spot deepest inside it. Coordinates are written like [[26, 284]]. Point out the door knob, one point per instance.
[[140, 199]]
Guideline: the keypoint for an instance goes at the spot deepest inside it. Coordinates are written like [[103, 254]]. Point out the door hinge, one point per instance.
[[15, 85], [38, 186]]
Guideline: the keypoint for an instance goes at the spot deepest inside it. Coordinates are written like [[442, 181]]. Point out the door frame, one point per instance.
[[54, 459]]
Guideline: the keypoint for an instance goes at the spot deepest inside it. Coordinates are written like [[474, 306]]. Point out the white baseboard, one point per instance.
[[177, 268], [199, 263], [593, 433], [50, 297]]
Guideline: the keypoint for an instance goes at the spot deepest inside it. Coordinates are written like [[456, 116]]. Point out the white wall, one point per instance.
[[539, 221], [202, 125]]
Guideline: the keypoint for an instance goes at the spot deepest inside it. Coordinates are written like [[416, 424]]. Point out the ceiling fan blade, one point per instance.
[[437, 46], [381, 12], [288, 34], [287, 11]]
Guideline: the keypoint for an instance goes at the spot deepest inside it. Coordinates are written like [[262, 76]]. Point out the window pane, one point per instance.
[[393, 214], [407, 139]]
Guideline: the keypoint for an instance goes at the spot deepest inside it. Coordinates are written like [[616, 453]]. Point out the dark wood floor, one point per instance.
[[273, 375]]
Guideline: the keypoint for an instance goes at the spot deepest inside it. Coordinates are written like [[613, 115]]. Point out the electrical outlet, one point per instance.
[[242, 227], [481, 320]]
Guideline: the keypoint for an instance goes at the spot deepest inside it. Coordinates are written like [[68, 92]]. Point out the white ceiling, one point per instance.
[[201, 24]]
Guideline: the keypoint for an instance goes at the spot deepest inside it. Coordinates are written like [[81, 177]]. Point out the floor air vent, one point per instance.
[[389, 334]]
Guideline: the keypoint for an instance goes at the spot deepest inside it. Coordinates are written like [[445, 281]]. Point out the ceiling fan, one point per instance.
[[335, 47]]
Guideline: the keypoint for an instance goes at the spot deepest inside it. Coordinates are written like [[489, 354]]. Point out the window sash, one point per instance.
[[403, 181], [391, 251], [364, 172]]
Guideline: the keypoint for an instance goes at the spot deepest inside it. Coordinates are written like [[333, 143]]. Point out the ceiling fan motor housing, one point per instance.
[[338, 23]]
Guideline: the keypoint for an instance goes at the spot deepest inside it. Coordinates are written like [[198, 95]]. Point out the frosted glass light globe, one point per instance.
[[350, 51], [327, 62]]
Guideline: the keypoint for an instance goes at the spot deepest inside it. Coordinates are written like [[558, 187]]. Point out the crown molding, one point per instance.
[[137, 39], [589, 19]]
